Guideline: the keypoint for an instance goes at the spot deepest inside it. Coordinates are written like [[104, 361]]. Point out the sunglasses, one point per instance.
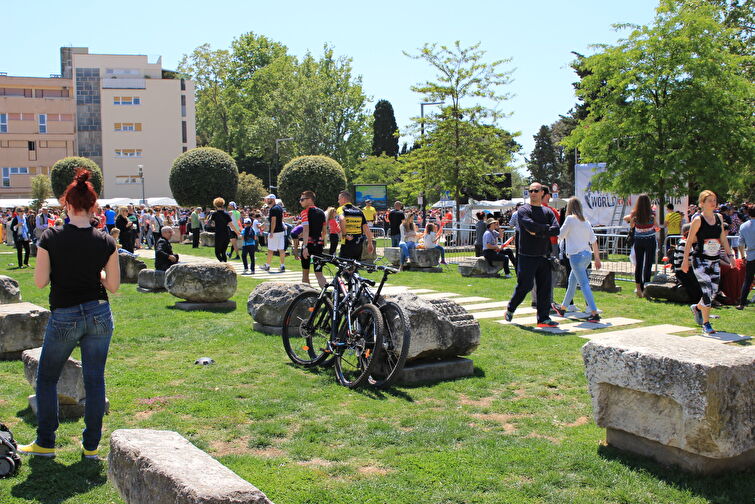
[[303, 199], [535, 190]]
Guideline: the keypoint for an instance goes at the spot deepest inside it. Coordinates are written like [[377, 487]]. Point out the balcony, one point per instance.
[[124, 83]]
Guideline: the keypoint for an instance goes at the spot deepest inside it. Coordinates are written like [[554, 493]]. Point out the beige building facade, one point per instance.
[[37, 127]]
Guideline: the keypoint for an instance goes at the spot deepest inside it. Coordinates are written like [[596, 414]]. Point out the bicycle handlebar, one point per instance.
[[344, 262]]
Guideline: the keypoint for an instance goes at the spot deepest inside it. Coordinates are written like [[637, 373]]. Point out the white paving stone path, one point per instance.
[[483, 308]]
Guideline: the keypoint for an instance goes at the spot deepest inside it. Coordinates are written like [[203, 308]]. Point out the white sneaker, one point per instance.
[[572, 308], [265, 267], [246, 272]]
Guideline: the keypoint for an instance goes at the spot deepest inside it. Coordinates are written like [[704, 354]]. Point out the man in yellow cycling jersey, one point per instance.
[[369, 212], [354, 229]]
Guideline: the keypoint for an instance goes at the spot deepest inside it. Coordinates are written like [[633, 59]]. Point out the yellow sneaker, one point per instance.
[[90, 454], [35, 449]]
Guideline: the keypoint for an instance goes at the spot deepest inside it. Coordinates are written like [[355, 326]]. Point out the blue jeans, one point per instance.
[[579, 263], [89, 325], [405, 248], [395, 239], [442, 252]]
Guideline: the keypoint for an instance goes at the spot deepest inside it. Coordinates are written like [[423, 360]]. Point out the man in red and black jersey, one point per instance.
[[313, 236]]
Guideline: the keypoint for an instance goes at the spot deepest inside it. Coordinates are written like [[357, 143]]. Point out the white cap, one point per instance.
[[247, 221], [232, 204], [270, 196]]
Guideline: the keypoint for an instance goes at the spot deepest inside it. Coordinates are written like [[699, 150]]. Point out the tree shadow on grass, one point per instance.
[[52, 482], [724, 488]]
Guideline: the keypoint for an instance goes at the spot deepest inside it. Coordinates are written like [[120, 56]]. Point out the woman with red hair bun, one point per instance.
[[80, 263]]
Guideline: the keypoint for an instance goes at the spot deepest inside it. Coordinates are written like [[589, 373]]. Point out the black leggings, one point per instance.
[[221, 245], [334, 239], [248, 250], [644, 255], [23, 245], [749, 274]]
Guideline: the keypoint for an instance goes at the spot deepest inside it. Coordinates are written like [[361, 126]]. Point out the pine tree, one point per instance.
[[384, 139], [543, 163]]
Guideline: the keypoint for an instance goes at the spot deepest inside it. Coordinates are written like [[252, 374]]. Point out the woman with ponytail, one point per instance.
[[80, 263]]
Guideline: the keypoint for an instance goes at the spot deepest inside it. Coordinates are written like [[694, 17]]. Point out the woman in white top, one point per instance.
[[580, 241], [408, 231], [430, 240]]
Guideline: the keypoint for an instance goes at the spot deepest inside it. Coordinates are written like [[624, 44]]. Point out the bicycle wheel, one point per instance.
[[358, 353], [306, 329], [396, 340]]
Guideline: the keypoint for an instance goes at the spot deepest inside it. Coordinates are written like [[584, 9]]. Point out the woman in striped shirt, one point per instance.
[[642, 220]]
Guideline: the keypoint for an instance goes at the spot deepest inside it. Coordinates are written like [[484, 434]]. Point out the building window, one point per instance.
[[43, 123], [128, 126], [32, 145], [8, 171], [183, 85], [127, 100], [183, 105], [125, 153], [51, 93], [3, 123], [26, 93], [183, 131]]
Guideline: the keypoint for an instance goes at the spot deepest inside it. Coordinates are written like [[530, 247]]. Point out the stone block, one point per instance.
[[436, 370], [201, 283], [392, 255], [68, 411], [440, 328], [691, 400], [207, 239], [268, 302], [163, 467], [420, 259], [479, 267], [71, 383], [670, 290], [266, 329], [130, 267], [601, 280], [10, 292], [222, 306], [22, 327], [150, 280]]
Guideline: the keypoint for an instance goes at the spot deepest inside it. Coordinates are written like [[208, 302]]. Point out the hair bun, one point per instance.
[[82, 176]]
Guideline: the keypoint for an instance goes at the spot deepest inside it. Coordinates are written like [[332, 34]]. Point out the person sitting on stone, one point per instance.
[[492, 251], [164, 256]]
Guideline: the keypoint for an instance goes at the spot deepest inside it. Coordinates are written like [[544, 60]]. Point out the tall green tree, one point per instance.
[[41, 189], [463, 142], [670, 107], [384, 130], [543, 163]]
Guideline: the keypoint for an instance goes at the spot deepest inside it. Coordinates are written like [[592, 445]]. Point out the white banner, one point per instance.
[[599, 207]]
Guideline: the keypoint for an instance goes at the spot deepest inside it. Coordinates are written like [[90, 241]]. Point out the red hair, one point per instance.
[[80, 193]]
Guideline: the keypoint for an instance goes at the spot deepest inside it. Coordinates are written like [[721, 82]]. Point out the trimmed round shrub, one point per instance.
[[63, 171], [320, 174], [200, 175]]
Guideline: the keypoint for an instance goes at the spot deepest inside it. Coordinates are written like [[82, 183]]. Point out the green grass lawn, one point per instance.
[[519, 431]]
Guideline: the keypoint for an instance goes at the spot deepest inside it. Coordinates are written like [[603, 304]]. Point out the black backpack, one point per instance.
[[9, 459]]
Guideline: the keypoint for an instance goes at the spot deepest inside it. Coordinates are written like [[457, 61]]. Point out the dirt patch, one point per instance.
[[535, 435], [176, 383], [144, 415], [520, 394], [159, 400], [372, 471], [3, 402], [485, 402], [315, 462], [501, 418], [269, 452], [238, 446], [579, 421]]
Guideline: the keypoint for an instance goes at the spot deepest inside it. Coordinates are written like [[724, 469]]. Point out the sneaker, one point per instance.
[[558, 309], [508, 316], [265, 267], [595, 319], [506, 276], [443, 262], [246, 272], [708, 329], [697, 314], [282, 268], [35, 449], [572, 308], [251, 272], [740, 307], [547, 323], [90, 454]]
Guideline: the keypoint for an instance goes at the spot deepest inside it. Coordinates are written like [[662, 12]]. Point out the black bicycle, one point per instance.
[[335, 324]]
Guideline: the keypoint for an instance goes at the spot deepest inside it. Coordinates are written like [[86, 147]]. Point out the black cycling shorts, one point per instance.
[[351, 250], [313, 250]]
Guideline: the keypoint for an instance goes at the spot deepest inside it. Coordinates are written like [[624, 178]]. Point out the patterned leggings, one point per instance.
[[708, 273]]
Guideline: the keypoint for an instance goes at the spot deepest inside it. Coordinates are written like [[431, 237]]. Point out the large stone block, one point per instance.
[[207, 239], [268, 302], [420, 259], [680, 400], [392, 255], [439, 328], [669, 290], [10, 292], [151, 280], [22, 327], [601, 280], [162, 467], [201, 283], [130, 267], [479, 267], [71, 383]]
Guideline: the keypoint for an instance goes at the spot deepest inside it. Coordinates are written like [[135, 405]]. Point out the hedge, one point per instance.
[[201, 175], [63, 171], [320, 174]]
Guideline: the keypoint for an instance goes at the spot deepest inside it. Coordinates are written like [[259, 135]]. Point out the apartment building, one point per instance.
[[37, 127], [125, 112], [132, 117]]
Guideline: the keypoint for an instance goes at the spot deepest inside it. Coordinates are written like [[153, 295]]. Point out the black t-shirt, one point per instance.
[[277, 212], [395, 217], [77, 256], [221, 219], [315, 220]]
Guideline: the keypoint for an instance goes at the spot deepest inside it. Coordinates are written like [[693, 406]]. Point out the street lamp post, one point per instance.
[[141, 176], [422, 134], [277, 160]]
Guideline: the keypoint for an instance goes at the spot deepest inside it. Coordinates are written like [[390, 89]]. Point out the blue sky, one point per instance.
[[537, 35]]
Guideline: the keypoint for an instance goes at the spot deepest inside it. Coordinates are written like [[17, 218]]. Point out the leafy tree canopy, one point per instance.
[[250, 190], [384, 130]]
